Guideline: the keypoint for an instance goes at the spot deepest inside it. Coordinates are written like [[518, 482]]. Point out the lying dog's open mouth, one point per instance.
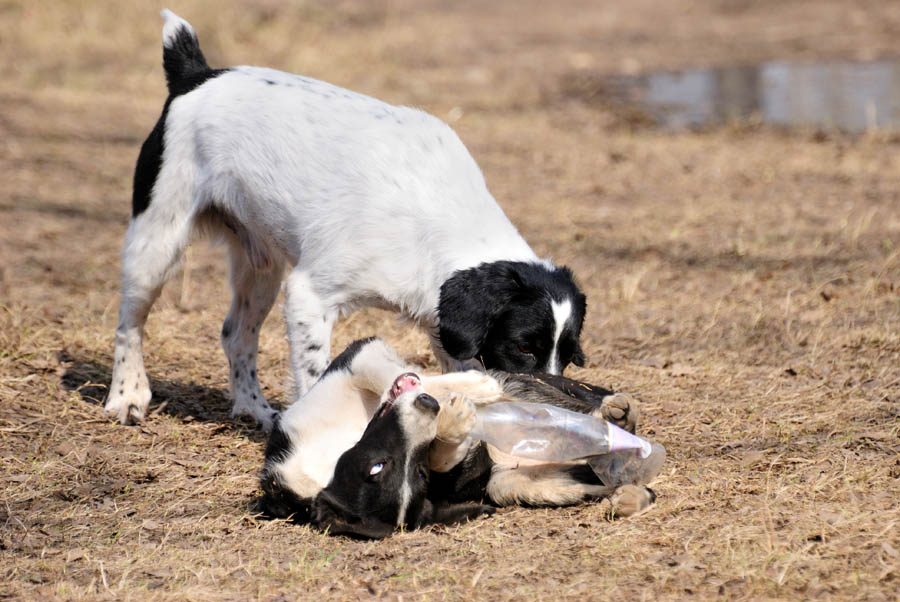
[[407, 381]]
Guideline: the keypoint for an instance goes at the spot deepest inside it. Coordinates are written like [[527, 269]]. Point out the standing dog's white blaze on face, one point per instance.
[[562, 311]]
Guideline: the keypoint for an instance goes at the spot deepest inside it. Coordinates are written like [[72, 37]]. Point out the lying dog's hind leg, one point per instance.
[[254, 293], [619, 408], [543, 485], [629, 500], [560, 485]]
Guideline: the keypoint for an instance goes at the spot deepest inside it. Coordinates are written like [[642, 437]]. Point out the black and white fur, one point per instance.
[[357, 202], [352, 454], [373, 446]]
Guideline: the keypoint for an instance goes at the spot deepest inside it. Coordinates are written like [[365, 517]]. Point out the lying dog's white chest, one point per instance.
[[309, 470], [321, 426]]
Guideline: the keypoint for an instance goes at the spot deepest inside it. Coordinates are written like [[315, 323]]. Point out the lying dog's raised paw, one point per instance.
[[456, 419], [628, 500], [621, 409]]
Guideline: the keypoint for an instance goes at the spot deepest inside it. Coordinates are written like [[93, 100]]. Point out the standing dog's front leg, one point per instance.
[[254, 293], [309, 321]]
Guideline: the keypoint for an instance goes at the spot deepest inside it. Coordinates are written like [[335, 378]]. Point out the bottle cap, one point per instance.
[[622, 439]]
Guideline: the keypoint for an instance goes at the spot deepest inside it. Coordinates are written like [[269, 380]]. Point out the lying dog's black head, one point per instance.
[[381, 482], [376, 485], [513, 316]]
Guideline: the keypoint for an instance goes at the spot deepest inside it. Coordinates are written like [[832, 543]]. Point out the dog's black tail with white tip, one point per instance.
[[185, 70], [182, 58]]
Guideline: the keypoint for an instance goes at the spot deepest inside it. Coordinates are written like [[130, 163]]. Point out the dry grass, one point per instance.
[[743, 282]]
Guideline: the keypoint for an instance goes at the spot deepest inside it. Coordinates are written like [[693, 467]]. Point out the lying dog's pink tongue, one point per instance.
[[403, 383]]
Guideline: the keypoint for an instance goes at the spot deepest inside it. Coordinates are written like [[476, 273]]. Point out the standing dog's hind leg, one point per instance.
[[152, 253], [254, 293]]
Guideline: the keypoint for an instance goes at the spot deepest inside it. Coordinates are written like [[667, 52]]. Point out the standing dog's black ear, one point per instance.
[[581, 304], [578, 357], [329, 513], [470, 301]]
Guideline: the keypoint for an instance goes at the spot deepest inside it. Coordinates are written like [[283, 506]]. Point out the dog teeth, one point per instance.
[[403, 383]]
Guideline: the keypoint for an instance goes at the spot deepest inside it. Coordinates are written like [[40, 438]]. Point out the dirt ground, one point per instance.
[[743, 282]]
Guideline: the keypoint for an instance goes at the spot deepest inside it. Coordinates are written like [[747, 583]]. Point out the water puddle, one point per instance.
[[847, 96]]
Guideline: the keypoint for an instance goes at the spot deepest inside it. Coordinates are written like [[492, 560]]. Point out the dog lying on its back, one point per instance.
[[361, 202], [373, 446]]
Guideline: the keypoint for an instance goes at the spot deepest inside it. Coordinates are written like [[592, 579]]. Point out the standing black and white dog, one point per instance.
[[373, 446], [361, 203]]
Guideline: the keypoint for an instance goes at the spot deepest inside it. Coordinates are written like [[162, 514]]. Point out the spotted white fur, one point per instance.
[[360, 202], [333, 415]]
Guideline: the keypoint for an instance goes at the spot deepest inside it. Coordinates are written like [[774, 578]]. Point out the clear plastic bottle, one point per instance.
[[627, 467], [547, 433]]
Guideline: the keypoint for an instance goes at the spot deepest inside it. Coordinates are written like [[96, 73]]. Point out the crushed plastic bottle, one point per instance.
[[549, 433], [627, 467]]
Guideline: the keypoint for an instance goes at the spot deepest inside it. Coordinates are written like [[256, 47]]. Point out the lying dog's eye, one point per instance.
[[526, 350], [376, 468], [423, 474]]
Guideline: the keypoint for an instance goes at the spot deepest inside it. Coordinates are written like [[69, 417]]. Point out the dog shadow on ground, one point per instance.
[[186, 402]]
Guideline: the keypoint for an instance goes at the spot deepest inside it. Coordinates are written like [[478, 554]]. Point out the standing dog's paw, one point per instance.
[[125, 413], [456, 419], [261, 412], [628, 500], [619, 408], [128, 404]]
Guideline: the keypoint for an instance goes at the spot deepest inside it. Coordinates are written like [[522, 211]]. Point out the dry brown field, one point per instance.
[[743, 283]]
